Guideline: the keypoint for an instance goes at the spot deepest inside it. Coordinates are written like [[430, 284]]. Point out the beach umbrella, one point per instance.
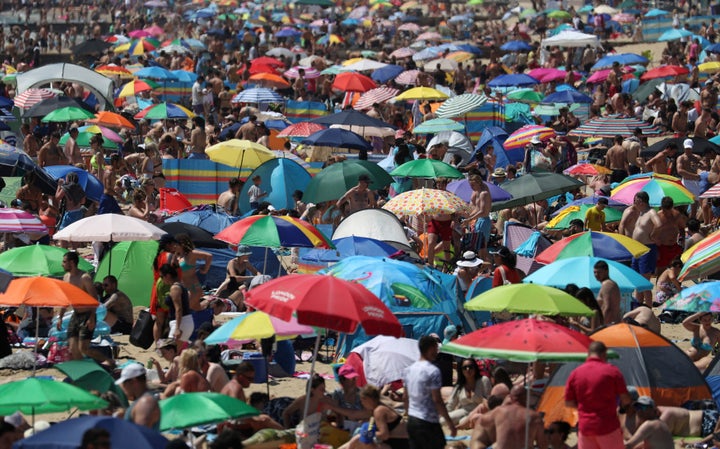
[[437, 125], [45, 292], [384, 359], [15, 162], [91, 47], [18, 222], [274, 231], [656, 188], [426, 202], [288, 32], [701, 259], [337, 138], [351, 246], [703, 297], [211, 220], [110, 70], [130, 262], [567, 97], [408, 77], [353, 82], [310, 72], [712, 192], [199, 236], [664, 71], [39, 396], [49, 105], [83, 141], [37, 260], [528, 299], [460, 105], [535, 187], [385, 74], [270, 79], [421, 93], [32, 96], [134, 87], [563, 219], [89, 375], [165, 111], [239, 153], [579, 271], [404, 52], [378, 95], [606, 62], [613, 125], [155, 73], [525, 134], [364, 65], [700, 146], [513, 80], [655, 12], [112, 120], [182, 411], [444, 64], [301, 129], [336, 179], [256, 326], [138, 34], [587, 169], [109, 228], [674, 34], [427, 168], [68, 114], [462, 189], [709, 67], [258, 95], [516, 46], [526, 95], [607, 245], [357, 122]]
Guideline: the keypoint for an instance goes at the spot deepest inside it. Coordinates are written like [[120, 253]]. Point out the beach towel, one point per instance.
[[529, 246]]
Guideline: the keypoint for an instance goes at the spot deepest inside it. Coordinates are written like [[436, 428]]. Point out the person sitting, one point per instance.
[[318, 403], [168, 351], [652, 431], [239, 273], [667, 283], [704, 340], [386, 429], [470, 391], [119, 307], [190, 378]]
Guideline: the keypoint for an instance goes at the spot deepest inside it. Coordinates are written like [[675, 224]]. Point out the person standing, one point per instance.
[[594, 388], [71, 148], [255, 192], [423, 401], [359, 197], [609, 295], [640, 222], [595, 216], [481, 202]]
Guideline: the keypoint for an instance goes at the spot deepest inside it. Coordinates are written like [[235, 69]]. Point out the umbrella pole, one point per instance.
[[312, 371], [527, 409], [265, 261], [267, 374], [37, 337], [242, 158]]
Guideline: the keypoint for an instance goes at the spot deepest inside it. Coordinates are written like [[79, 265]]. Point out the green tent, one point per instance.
[[12, 184], [132, 266]]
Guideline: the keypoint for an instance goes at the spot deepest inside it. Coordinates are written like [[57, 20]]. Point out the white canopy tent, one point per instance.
[[571, 38]]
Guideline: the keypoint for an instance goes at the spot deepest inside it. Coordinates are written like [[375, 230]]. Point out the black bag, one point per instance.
[[142, 332]]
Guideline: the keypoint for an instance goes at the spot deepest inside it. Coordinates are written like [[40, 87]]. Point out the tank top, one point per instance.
[[185, 302]]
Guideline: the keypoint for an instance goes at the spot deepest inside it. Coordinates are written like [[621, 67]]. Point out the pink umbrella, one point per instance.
[[31, 97], [301, 129], [412, 27], [136, 34], [155, 30], [559, 75], [601, 75], [378, 95], [430, 36], [408, 77], [404, 52], [106, 132], [542, 71], [310, 73], [623, 18]]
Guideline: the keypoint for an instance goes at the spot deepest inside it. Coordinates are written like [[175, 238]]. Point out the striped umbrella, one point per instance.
[[702, 259], [460, 105], [612, 126], [378, 95], [258, 95], [404, 52], [164, 111], [656, 188], [522, 136], [408, 77], [135, 87], [712, 192], [114, 70], [274, 231], [31, 97], [106, 132], [438, 125], [294, 72], [19, 221], [302, 129]]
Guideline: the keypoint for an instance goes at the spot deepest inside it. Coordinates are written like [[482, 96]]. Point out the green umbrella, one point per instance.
[[525, 96], [83, 140], [195, 409], [68, 114], [88, 375], [38, 260], [562, 221], [227, 17], [553, 109], [427, 168], [535, 186], [529, 299], [438, 125], [38, 396], [559, 15], [132, 267], [332, 182]]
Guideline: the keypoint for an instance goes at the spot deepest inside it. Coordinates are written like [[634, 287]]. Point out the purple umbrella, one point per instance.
[[463, 190]]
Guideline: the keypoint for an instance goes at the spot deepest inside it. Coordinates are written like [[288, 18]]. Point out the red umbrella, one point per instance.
[[664, 72], [325, 301], [262, 68], [353, 82], [301, 129], [266, 60]]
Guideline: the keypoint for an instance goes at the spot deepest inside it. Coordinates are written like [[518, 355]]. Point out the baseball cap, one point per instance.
[[688, 143], [348, 372], [449, 333], [632, 391], [645, 401], [166, 343], [131, 371]]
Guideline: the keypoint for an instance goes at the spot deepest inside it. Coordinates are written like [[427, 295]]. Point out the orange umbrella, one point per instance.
[[270, 80], [111, 120], [114, 70], [353, 82], [45, 292]]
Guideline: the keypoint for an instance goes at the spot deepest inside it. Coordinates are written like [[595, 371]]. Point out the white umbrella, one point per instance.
[[385, 358], [280, 52], [446, 65], [365, 64], [109, 228], [367, 131]]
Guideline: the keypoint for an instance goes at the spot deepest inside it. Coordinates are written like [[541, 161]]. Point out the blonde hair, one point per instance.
[[189, 361]]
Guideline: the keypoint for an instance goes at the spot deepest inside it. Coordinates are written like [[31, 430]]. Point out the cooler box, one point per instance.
[[258, 361]]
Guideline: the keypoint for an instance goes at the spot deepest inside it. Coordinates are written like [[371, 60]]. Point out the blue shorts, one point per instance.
[[646, 263], [70, 217], [482, 227]]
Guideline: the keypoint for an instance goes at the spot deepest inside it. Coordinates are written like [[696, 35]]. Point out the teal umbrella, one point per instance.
[[195, 409], [88, 375], [427, 168], [333, 181], [38, 396], [438, 125]]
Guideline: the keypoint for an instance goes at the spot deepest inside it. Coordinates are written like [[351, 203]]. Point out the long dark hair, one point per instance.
[[460, 368], [501, 376]]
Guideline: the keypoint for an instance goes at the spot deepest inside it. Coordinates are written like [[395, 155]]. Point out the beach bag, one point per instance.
[[58, 353], [142, 332]]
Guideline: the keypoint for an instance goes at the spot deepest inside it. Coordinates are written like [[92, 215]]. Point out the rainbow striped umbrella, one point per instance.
[[274, 231], [612, 126], [138, 47], [656, 188], [254, 326], [607, 245], [702, 259], [134, 87], [164, 111], [522, 136]]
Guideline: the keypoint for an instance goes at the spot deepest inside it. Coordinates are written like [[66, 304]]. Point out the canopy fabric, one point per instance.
[[571, 38], [100, 85]]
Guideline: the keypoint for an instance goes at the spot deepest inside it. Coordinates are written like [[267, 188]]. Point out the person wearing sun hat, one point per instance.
[[467, 270]]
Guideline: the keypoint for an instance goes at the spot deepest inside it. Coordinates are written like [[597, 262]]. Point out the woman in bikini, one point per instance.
[[704, 340], [188, 258], [239, 274]]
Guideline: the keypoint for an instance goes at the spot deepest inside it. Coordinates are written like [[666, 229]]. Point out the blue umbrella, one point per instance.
[[276, 123], [208, 219], [714, 48], [656, 12], [258, 95], [474, 49], [68, 434], [351, 246], [5, 102], [184, 76], [606, 62], [351, 117], [564, 87], [155, 73], [288, 32], [674, 34], [15, 162], [579, 271], [513, 80], [566, 96], [91, 185], [337, 138], [385, 74], [280, 177], [427, 53], [516, 46], [462, 189], [630, 85], [350, 22]]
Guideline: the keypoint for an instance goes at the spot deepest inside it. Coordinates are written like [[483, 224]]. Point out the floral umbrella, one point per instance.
[[426, 202]]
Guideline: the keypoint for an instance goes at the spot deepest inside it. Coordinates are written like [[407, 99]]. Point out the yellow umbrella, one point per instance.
[[351, 61], [239, 153], [709, 67], [460, 56], [421, 93]]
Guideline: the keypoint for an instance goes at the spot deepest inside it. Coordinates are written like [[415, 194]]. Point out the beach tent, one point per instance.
[[712, 377], [279, 178], [457, 142], [132, 267], [527, 243], [377, 224], [648, 361], [571, 38]]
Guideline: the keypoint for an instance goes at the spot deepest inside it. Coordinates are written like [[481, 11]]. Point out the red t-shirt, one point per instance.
[[511, 276], [595, 386]]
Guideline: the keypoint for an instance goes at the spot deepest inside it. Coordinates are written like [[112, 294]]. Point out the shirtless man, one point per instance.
[[119, 307], [632, 146], [643, 316], [679, 122], [615, 160], [198, 139], [244, 375], [108, 203], [481, 203], [71, 149], [30, 141], [672, 224], [508, 423], [50, 154], [688, 165], [653, 432], [439, 230], [640, 221], [662, 162], [609, 295], [228, 200], [702, 124], [359, 197]]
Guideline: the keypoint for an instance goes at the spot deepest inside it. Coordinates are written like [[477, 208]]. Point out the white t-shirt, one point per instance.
[[197, 94], [420, 379], [254, 193]]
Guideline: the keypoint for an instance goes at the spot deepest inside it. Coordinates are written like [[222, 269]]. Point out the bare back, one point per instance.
[[509, 423]]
